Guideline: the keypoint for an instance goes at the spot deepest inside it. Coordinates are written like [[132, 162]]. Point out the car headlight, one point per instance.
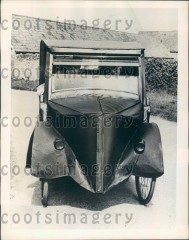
[[58, 144], [139, 146]]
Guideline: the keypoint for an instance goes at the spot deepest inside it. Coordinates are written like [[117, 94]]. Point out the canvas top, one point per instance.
[[55, 45]]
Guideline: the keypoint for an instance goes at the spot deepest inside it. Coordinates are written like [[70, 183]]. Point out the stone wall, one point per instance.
[[25, 66]]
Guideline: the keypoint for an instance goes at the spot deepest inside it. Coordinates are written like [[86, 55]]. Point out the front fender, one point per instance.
[[150, 163], [47, 162], [147, 164]]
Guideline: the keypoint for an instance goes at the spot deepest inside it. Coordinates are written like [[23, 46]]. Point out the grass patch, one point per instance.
[[22, 84], [163, 105]]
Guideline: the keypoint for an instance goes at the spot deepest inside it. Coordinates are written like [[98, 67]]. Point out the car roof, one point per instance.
[[86, 44]]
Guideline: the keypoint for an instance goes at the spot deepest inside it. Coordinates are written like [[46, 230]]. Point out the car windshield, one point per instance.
[[95, 74]]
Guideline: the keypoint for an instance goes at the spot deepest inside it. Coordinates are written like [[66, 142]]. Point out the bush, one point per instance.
[[161, 75]]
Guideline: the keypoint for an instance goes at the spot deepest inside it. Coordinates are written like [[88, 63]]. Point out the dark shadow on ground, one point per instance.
[[65, 191]]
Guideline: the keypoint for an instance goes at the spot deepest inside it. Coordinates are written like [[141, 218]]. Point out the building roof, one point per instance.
[[31, 31], [26, 37]]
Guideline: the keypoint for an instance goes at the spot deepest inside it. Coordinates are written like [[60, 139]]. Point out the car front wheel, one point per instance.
[[145, 188], [44, 192]]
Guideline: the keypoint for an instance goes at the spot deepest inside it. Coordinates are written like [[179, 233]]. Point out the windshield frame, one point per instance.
[[141, 80]]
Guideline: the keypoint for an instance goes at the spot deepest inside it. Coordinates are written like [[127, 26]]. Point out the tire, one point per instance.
[[44, 192], [145, 188]]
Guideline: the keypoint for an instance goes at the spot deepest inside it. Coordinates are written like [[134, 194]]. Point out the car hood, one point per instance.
[[95, 104]]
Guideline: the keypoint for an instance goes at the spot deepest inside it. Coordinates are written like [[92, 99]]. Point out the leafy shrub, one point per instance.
[[161, 75]]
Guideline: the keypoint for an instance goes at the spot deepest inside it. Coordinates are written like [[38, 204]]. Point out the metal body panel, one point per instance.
[[97, 139], [90, 155], [49, 163], [98, 127], [114, 162], [150, 163], [94, 104]]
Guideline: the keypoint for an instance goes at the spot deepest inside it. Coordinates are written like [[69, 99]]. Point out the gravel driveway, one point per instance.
[[67, 197]]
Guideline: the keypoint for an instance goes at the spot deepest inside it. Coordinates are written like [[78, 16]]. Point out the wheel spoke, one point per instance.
[[145, 184], [145, 188]]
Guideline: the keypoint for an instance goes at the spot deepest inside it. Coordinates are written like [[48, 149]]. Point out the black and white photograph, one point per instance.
[[94, 108]]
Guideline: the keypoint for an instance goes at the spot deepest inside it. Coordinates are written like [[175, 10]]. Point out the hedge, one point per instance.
[[161, 75]]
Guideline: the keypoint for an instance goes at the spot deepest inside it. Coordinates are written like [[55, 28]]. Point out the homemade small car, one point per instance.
[[94, 118]]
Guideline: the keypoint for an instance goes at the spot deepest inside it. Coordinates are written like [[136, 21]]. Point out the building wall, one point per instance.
[[25, 66]]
